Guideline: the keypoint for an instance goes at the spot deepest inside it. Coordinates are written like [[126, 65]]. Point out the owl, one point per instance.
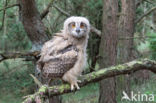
[[64, 56]]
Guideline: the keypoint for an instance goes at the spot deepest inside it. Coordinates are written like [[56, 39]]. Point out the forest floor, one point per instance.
[[15, 82]]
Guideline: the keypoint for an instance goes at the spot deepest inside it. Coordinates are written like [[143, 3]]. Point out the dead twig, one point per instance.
[[146, 14]]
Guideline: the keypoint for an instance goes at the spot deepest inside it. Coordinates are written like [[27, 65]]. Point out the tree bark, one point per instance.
[[96, 76], [27, 55], [125, 46], [108, 49], [32, 23], [154, 19], [126, 29], [35, 29]]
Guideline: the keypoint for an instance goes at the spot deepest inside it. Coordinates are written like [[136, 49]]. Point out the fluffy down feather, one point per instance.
[[65, 55]]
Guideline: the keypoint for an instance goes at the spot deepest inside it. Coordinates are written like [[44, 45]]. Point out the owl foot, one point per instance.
[[79, 81], [74, 84]]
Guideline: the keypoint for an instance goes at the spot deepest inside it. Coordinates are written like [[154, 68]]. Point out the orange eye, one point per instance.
[[73, 25], [81, 26]]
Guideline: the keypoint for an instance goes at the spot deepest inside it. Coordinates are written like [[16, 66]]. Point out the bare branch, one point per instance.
[[36, 80], [61, 11], [149, 1], [46, 11], [98, 32], [93, 29], [4, 14], [6, 55], [10, 6], [146, 14], [127, 68], [138, 3], [142, 1], [137, 37]]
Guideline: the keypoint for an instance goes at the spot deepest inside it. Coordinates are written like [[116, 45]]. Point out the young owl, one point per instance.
[[65, 55]]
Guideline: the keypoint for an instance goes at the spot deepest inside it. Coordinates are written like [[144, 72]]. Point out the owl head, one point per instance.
[[77, 26]]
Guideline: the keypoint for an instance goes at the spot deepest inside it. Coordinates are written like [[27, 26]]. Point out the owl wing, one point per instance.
[[61, 63], [50, 48]]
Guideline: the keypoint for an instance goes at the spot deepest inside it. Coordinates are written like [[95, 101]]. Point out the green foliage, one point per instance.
[[87, 94], [148, 87], [12, 35], [15, 81], [6, 65], [152, 41]]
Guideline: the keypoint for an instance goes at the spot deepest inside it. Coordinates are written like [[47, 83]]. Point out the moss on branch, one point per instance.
[[96, 76]]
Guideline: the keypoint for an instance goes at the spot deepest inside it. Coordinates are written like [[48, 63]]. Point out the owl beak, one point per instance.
[[78, 30]]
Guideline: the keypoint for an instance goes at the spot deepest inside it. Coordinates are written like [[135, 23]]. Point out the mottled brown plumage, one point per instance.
[[65, 55], [61, 60], [56, 67]]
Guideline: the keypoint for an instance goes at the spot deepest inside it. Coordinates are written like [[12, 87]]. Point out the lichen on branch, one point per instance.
[[127, 68]]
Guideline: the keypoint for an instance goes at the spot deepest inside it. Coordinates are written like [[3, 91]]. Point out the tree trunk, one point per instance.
[[154, 20], [35, 29], [126, 29], [32, 23], [125, 46], [108, 49]]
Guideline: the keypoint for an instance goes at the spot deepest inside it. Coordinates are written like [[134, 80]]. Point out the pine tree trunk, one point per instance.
[[125, 46], [154, 20], [35, 30], [32, 23], [108, 49]]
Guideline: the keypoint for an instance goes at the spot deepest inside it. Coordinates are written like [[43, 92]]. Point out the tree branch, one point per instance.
[[4, 15], [93, 29], [36, 80], [127, 68], [46, 11], [149, 1], [136, 37], [144, 15], [10, 6], [61, 11], [142, 1], [4, 56], [139, 2], [32, 23]]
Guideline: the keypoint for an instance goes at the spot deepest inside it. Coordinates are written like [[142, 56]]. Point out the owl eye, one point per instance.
[[73, 25], [82, 25]]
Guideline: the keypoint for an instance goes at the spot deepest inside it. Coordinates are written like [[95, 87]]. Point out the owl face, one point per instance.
[[77, 29], [77, 26]]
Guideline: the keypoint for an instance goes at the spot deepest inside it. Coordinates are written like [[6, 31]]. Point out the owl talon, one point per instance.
[[76, 85], [79, 81], [72, 87]]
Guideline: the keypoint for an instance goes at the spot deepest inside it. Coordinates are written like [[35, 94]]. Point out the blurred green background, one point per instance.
[[15, 81]]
